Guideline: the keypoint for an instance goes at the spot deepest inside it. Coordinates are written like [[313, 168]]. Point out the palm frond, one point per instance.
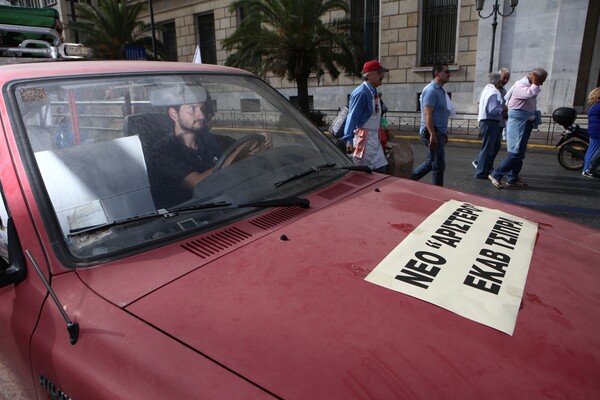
[[112, 25]]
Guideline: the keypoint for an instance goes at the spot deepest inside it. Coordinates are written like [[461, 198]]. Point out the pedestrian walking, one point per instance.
[[434, 126], [361, 133], [592, 156], [523, 116], [504, 78], [491, 110]]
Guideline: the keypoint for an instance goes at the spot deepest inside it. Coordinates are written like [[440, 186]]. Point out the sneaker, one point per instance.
[[495, 182], [519, 183], [590, 174], [474, 164]]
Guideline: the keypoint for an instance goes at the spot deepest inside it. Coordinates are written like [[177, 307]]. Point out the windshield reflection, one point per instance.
[[111, 149]]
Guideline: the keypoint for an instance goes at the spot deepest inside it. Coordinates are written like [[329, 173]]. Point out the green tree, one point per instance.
[[113, 24], [293, 39]]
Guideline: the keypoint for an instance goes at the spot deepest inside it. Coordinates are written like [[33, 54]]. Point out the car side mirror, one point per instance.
[[14, 270]]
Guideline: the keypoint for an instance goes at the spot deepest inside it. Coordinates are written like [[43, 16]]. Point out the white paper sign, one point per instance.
[[468, 259], [88, 215]]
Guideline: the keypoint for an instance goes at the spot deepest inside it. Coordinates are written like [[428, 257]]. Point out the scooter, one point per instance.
[[574, 143]]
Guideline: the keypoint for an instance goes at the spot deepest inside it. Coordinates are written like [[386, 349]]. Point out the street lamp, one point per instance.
[[495, 12], [152, 27], [74, 18]]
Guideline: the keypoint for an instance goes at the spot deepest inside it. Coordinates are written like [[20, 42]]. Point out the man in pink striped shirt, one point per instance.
[[523, 116]]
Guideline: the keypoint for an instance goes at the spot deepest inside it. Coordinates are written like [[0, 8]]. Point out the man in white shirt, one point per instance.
[[491, 110]]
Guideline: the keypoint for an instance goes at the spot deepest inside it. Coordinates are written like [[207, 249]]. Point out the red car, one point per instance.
[[283, 272]]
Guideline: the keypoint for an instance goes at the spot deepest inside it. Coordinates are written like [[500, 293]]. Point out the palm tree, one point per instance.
[[291, 39], [112, 25]]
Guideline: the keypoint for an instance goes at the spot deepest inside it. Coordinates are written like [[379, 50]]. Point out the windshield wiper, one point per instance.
[[172, 212], [323, 167], [163, 213]]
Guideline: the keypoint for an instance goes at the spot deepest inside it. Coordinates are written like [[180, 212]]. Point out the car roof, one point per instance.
[[63, 68]]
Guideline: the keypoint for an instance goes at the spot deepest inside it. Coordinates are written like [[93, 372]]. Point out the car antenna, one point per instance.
[[72, 327]]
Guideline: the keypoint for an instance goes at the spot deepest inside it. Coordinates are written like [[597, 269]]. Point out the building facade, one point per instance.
[[408, 36]]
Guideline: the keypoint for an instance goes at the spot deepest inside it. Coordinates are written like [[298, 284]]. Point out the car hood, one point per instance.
[[292, 312]]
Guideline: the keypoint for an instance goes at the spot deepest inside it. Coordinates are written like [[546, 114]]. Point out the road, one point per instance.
[[9, 388], [552, 189]]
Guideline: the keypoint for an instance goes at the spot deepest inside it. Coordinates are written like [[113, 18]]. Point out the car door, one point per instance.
[[22, 292]]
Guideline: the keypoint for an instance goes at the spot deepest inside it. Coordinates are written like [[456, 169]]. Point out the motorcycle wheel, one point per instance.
[[571, 155]]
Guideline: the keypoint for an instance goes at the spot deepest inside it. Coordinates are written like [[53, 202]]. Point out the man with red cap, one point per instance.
[[361, 132]]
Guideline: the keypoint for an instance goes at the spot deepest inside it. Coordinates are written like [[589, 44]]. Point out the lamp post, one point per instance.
[[152, 27], [495, 12], [74, 18]]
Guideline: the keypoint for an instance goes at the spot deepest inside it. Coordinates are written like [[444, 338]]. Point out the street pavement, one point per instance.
[[552, 189]]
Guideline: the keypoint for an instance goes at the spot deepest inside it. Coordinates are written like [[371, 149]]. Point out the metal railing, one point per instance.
[[108, 115]]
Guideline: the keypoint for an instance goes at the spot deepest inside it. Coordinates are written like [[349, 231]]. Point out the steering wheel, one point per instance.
[[239, 149]]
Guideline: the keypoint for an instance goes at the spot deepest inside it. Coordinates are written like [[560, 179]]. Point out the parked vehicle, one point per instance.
[[35, 32], [285, 274], [573, 143]]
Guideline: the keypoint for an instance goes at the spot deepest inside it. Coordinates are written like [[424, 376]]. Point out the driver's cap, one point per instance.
[[178, 95]]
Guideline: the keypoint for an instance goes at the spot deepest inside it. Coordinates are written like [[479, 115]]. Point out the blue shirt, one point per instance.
[[435, 96], [594, 121], [360, 109]]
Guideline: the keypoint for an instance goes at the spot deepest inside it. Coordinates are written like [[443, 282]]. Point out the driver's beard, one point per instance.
[[202, 129], [197, 127]]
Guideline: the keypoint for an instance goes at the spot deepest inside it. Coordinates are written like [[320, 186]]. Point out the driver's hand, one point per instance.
[[268, 141], [257, 148]]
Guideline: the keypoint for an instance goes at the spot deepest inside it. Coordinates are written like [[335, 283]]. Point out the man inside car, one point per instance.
[[182, 159]]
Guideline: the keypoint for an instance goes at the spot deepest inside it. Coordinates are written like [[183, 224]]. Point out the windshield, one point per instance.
[[115, 151]]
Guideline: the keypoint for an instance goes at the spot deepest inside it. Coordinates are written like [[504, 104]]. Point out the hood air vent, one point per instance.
[[276, 217], [359, 180], [210, 245], [335, 191]]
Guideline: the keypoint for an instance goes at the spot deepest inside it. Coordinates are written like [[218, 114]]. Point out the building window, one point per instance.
[[438, 31], [205, 26], [250, 105], [366, 13], [169, 39], [240, 15]]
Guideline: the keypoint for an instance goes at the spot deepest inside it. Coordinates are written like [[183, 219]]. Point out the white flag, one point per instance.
[[197, 56]]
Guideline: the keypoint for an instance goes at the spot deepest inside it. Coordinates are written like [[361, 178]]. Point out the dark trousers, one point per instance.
[[512, 164], [592, 156], [491, 133], [436, 159]]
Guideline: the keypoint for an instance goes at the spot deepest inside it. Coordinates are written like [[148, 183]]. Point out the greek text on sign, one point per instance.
[[468, 259]]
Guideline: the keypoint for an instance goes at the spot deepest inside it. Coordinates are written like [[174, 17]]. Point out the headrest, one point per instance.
[[150, 127]]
